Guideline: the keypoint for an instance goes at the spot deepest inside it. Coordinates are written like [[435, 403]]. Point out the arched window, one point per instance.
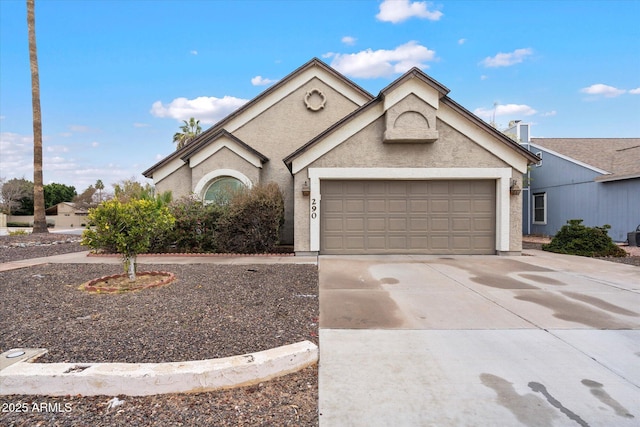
[[222, 189]]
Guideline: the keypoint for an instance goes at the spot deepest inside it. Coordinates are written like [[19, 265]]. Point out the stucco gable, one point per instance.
[[252, 109], [207, 147], [411, 89]]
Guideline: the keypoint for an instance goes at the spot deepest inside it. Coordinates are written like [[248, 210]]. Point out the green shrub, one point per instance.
[[18, 224], [126, 228], [251, 221], [18, 233], [194, 229], [577, 239]]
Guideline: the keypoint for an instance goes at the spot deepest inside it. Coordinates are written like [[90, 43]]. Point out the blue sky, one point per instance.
[[117, 77]]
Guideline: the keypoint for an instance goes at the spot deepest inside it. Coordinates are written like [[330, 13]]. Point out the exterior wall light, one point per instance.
[[515, 188], [305, 189]]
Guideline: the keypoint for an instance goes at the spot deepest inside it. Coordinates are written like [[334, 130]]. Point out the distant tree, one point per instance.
[[85, 200], [39, 218], [190, 130], [17, 197], [130, 189], [55, 193], [16, 194], [99, 186]]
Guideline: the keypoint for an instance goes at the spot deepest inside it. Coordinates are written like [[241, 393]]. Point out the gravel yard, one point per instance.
[[210, 311], [13, 248]]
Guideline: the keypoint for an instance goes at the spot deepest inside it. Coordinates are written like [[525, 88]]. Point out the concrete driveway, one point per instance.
[[541, 340]]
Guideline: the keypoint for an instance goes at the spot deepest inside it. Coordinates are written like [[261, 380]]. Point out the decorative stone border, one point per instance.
[[195, 254], [145, 379], [90, 285]]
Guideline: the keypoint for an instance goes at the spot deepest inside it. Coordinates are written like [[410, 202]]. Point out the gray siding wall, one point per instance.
[[572, 193]]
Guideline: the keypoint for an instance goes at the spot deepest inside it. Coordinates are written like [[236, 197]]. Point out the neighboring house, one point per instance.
[[407, 171], [67, 215], [593, 179]]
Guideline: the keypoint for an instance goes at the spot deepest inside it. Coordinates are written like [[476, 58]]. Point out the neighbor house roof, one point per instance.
[[53, 210], [619, 157], [315, 62]]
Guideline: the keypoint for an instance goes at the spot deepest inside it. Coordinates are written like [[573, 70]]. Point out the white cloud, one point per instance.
[[635, 91], [549, 113], [462, 41], [396, 11], [17, 155], [208, 110], [604, 90], [141, 125], [261, 81], [348, 40], [56, 149], [484, 77], [66, 134], [512, 110], [507, 59], [193, 52], [79, 128], [95, 144], [382, 63]]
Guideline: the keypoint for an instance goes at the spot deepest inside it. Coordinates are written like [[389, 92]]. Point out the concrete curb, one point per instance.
[[144, 379]]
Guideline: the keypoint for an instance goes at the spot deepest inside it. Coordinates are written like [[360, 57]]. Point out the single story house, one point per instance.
[[406, 171], [593, 179], [67, 215], [62, 215]]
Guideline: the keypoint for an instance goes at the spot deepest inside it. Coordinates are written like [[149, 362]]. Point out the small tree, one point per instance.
[[126, 228]]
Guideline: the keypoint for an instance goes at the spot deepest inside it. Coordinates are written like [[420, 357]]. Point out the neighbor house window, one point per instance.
[[540, 208], [539, 154], [222, 189]]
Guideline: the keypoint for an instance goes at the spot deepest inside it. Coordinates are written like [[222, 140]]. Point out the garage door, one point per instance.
[[426, 217]]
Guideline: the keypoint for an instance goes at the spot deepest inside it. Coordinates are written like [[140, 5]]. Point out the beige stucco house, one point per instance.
[[407, 171], [67, 215]]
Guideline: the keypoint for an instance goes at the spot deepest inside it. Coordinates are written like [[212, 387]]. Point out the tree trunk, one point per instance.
[[130, 266], [39, 218]]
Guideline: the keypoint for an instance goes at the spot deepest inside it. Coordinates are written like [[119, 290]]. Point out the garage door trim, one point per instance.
[[501, 175]]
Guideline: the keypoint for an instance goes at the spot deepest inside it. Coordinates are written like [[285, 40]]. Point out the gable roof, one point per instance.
[[53, 210], [201, 143], [357, 92], [413, 73], [618, 157]]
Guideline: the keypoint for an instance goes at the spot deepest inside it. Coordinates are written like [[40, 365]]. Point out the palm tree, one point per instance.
[[39, 218], [190, 130], [99, 186]]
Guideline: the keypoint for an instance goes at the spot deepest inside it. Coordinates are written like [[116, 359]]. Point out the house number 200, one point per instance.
[[314, 209]]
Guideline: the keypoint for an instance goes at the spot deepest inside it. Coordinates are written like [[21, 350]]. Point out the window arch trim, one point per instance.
[[207, 180]]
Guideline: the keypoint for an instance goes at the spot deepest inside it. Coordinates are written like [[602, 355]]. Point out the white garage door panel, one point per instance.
[[430, 217]]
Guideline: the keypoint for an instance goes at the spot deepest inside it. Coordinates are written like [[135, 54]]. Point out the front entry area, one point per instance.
[[408, 216]]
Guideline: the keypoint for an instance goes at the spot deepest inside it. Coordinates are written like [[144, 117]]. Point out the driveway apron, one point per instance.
[[541, 340]]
